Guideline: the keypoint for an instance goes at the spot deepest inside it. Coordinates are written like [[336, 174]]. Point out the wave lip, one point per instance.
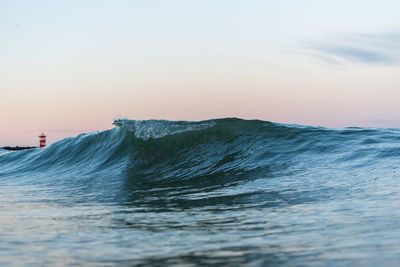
[[146, 129]]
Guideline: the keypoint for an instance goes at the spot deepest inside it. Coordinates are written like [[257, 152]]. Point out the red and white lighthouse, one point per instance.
[[42, 140]]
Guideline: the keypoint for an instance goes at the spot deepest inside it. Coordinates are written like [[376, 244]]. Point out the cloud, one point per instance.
[[379, 49], [357, 54], [385, 39]]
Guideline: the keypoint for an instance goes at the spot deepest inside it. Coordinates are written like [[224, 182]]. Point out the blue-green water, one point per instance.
[[218, 192]]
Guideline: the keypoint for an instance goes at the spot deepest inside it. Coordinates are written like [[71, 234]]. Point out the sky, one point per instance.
[[68, 67]]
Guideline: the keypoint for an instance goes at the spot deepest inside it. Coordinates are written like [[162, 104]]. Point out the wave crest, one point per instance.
[[146, 129], [156, 150]]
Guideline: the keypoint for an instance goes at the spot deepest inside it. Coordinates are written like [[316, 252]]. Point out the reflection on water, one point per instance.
[[262, 221]]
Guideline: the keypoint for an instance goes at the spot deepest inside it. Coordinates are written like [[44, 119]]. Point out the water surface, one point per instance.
[[224, 191]]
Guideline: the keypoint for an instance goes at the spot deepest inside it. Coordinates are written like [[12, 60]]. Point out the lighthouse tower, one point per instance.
[[42, 140]]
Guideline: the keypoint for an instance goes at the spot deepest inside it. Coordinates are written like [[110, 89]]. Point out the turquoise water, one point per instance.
[[216, 192]]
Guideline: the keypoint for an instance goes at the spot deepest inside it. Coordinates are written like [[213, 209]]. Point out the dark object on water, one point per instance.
[[18, 147]]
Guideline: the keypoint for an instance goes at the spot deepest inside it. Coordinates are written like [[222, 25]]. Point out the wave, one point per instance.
[[159, 151], [3, 151]]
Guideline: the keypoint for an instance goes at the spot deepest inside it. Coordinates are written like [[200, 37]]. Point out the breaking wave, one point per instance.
[[160, 149]]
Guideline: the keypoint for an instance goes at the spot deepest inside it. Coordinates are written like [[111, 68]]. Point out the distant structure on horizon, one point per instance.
[[42, 140]]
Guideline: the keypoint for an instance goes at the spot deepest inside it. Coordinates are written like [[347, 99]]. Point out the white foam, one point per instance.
[[145, 129]]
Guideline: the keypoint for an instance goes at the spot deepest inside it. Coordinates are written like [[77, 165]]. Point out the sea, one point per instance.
[[221, 192]]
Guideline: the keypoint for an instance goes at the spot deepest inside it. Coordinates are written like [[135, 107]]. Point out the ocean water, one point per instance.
[[219, 192]]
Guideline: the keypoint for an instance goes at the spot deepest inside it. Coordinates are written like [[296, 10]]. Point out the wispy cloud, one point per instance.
[[355, 54], [360, 48]]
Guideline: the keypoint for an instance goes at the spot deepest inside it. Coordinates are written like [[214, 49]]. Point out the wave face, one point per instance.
[[223, 191]]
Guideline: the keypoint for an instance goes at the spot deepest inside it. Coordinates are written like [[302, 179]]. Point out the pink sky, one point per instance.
[[282, 62]]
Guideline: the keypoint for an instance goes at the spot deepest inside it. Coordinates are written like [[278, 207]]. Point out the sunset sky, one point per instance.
[[68, 67]]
